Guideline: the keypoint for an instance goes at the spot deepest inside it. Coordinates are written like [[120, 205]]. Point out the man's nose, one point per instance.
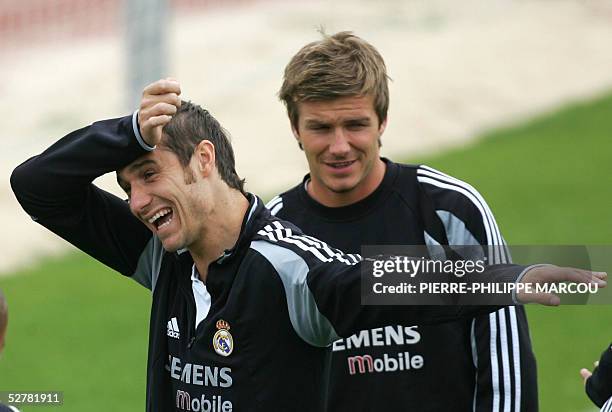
[[340, 145], [139, 199]]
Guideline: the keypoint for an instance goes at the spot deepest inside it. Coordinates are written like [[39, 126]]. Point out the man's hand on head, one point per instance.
[[160, 102], [548, 274]]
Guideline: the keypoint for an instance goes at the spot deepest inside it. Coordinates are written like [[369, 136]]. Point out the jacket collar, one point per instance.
[[248, 228]]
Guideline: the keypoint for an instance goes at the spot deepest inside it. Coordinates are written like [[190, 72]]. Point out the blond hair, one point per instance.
[[340, 65]]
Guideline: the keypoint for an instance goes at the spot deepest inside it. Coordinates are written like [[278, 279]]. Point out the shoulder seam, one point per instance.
[[433, 177]]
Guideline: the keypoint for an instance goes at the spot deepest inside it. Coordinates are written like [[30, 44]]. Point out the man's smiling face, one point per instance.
[[340, 138], [166, 197]]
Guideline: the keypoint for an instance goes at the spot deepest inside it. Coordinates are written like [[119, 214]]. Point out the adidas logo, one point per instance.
[[173, 329]]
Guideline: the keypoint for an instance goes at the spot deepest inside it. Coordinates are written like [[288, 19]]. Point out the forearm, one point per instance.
[[55, 189], [339, 295], [63, 172]]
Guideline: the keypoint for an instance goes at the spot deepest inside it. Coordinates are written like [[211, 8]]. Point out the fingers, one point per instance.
[[555, 274], [154, 122], [585, 276], [586, 374], [601, 276], [166, 91], [163, 86], [157, 109], [160, 102], [151, 126], [150, 100], [550, 274]]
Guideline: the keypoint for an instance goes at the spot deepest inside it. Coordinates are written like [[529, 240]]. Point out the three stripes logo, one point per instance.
[[276, 232], [173, 329]]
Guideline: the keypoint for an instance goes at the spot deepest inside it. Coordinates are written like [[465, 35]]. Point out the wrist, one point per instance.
[[136, 128]]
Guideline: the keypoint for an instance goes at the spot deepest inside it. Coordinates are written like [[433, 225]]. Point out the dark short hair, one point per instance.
[[340, 65], [192, 124]]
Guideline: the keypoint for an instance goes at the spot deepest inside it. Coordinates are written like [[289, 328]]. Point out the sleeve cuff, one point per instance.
[[136, 129], [521, 276]]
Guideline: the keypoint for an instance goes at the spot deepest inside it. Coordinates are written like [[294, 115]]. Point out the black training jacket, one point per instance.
[[482, 364], [278, 298]]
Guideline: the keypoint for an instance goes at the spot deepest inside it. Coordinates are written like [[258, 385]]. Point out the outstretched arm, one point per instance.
[[323, 287]]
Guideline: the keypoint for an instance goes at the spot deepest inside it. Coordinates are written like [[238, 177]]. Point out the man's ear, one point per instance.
[[296, 134], [382, 127], [204, 154]]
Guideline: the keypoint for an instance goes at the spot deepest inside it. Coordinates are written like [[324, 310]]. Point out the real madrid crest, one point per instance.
[[223, 341]]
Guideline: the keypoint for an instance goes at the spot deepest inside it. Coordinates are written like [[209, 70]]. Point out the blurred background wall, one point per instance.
[[457, 67]]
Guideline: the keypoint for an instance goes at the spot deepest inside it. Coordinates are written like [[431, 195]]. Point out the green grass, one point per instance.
[[80, 328], [549, 181]]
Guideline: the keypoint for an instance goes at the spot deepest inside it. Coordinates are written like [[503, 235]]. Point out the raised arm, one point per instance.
[[55, 188]]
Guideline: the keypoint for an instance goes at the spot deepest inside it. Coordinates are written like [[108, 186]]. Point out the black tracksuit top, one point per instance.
[[282, 296], [482, 364]]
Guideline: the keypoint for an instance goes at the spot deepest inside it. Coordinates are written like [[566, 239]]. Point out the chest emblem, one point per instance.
[[223, 342]]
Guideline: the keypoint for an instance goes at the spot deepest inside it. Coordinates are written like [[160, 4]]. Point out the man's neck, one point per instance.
[[366, 187], [223, 230]]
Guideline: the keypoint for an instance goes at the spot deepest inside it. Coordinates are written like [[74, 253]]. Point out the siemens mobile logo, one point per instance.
[[202, 375], [387, 336], [368, 364], [214, 403]]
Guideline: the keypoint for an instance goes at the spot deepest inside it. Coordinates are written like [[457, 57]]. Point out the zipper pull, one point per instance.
[[191, 342]]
